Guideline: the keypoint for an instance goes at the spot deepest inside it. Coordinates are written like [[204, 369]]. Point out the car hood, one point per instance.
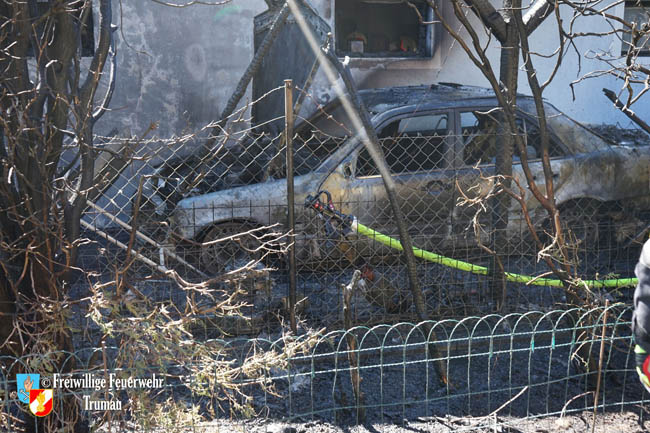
[[249, 202]]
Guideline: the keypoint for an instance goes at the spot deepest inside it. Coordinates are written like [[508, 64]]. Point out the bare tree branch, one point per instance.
[[89, 86], [112, 77], [490, 17], [537, 13], [626, 110]]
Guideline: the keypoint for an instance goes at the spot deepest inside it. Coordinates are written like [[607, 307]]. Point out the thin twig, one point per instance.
[[600, 364], [355, 376], [563, 411], [507, 402]]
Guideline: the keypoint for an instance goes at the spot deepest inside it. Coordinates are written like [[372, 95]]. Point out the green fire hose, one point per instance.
[[481, 270], [350, 223]]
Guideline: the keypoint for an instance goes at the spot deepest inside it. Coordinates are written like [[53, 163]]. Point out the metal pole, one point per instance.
[[291, 218]]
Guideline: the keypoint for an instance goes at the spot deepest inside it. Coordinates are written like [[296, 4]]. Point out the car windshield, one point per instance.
[[318, 137]]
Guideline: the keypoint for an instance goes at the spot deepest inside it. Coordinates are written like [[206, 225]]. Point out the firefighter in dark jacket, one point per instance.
[[641, 317]]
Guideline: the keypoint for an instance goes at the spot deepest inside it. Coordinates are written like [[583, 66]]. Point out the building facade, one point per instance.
[[178, 67]]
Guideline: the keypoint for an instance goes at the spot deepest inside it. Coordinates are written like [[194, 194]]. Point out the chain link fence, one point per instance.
[[210, 210], [200, 208]]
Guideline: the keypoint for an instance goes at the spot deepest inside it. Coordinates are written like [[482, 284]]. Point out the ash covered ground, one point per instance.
[[400, 383]]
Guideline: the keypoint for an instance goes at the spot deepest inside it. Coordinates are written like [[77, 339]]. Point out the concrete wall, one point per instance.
[[177, 67]]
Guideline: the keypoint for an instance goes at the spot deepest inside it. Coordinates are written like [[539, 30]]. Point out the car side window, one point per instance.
[[478, 131], [410, 145], [480, 143]]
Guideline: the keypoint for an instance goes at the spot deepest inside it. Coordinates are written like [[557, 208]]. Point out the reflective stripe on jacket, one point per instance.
[[641, 316]]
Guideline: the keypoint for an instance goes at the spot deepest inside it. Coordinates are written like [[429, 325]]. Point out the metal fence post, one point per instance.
[[291, 222]]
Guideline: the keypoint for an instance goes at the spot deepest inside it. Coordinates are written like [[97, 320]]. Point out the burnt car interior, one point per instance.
[[479, 135], [419, 143], [410, 144]]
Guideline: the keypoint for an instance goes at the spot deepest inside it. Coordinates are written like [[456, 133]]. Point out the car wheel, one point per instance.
[[228, 255]]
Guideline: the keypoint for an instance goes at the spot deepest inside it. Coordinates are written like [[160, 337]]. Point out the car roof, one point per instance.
[[440, 95], [332, 120]]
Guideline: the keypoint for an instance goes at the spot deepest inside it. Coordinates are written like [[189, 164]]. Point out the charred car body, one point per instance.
[[438, 140]]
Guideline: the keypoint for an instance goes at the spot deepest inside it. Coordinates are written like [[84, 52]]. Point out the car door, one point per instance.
[[418, 148], [476, 155], [477, 151]]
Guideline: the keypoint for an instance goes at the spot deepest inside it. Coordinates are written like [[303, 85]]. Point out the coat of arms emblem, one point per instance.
[[26, 382], [41, 401]]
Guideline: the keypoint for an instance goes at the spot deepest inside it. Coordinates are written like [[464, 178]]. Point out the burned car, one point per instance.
[[439, 142]]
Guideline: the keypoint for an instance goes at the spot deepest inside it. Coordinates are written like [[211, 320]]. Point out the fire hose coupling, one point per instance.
[[345, 223], [314, 201]]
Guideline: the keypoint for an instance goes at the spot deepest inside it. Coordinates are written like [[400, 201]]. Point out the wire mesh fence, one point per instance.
[[524, 365], [253, 270], [211, 206], [189, 237]]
